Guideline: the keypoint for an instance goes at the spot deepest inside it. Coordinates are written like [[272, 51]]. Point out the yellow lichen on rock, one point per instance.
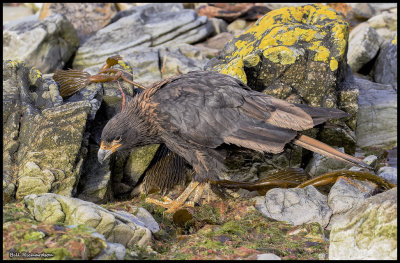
[[235, 68], [124, 65], [333, 64], [394, 41], [282, 34], [280, 54]]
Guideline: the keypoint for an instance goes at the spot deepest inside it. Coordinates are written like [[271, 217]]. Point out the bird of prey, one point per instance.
[[196, 114]]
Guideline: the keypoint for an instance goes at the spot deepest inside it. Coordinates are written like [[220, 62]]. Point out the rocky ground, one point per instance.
[[59, 202]]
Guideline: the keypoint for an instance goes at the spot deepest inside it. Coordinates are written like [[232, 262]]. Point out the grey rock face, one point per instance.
[[377, 115], [47, 44], [345, 196], [296, 206], [367, 232], [364, 44], [52, 208], [385, 70], [148, 26]]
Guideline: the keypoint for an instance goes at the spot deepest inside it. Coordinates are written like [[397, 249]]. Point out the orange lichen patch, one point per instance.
[[340, 7], [282, 28]]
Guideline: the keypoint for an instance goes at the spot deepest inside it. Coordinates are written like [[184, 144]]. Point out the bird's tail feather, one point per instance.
[[324, 149]]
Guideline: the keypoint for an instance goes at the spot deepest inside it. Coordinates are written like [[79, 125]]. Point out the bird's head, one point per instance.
[[117, 135]]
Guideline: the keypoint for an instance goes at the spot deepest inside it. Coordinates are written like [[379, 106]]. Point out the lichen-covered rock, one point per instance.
[[72, 211], [367, 232], [138, 161], [86, 18], [385, 70], [42, 138], [146, 26], [290, 51], [377, 115], [52, 142], [46, 44], [296, 206], [364, 43]]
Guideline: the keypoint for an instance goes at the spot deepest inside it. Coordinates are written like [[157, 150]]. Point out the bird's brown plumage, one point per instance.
[[197, 113]]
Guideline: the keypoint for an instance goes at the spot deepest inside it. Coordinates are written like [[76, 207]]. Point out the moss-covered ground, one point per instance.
[[228, 229]]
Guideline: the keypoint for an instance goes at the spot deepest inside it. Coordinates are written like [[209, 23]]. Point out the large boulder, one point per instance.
[[43, 139], [46, 45], [294, 52], [145, 26], [377, 115]]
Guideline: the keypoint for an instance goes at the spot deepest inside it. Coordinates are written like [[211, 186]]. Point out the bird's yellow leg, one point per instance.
[[174, 205]]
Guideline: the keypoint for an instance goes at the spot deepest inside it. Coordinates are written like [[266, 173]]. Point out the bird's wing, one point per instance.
[[209, 108]]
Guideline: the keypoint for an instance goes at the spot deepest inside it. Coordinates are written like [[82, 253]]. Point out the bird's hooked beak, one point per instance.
[[105, 151]]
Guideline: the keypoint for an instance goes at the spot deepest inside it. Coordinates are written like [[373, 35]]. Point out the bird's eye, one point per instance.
[[118, 139]]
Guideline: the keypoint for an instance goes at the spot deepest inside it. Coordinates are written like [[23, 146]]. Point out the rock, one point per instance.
[[383, 6], [42, 138], [282, 5], [385, 69], [34, 43], [367, 232], [364, 44], [296, 206], [220, 25], [345, 196], [153, 64], [371, 160], [94, 182], [28, 19], [362, 10], [389, 173], [232, 11], [112, 251], [180, 60], [87, 18], [213, 46], [11, 13], [142, 218], [296, 60], [53, 141], [320, 164], [385, 24], [51, 241], [147, 26], [72, 211], [268, 256], [238, 26], [139, 160], [377, 115], [339, 137]]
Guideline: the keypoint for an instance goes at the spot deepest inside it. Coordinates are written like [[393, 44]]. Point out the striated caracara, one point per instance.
[[197, 113]]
